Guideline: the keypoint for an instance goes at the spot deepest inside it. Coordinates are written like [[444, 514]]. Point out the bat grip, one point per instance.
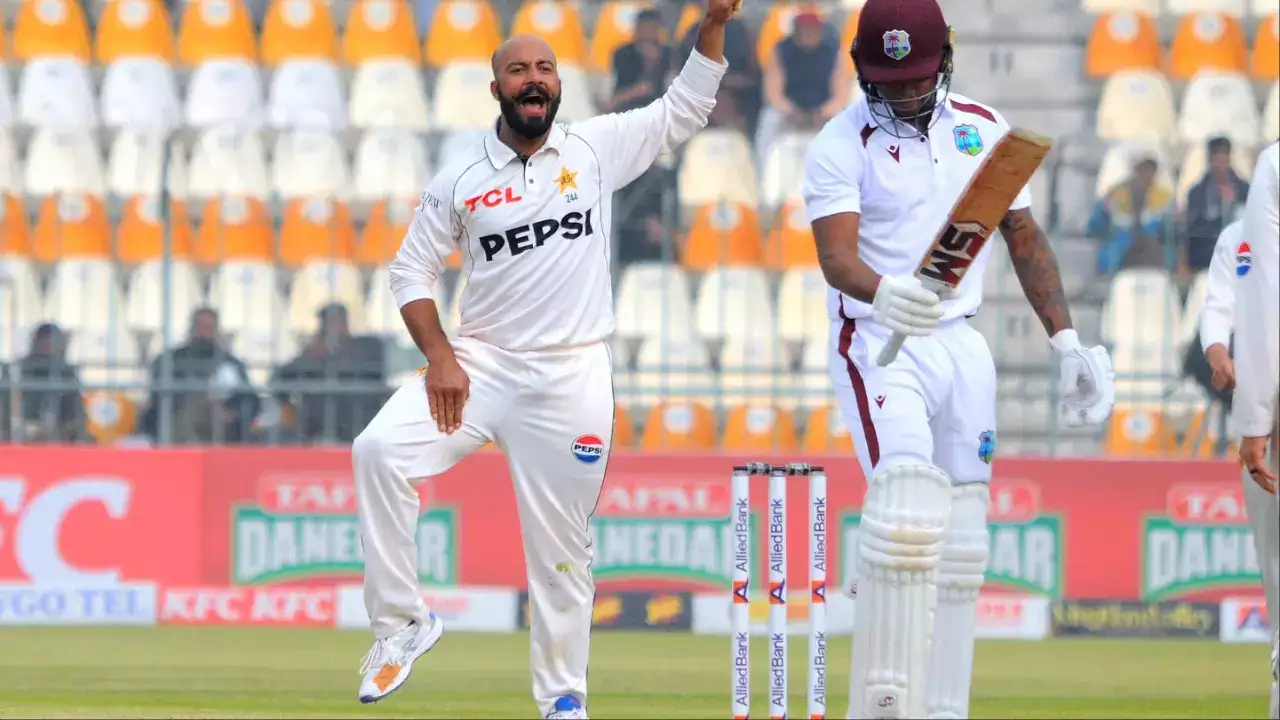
[[890, 350]]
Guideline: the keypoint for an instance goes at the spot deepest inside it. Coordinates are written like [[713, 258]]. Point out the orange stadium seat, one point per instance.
[[1135, 431], [777, 25], [679, 426], [384, 230], [15, 234], [140, 235], [615, 26], [315, 229], [298, 30], [559, 23], [48, 28], [755, 428], [624, 428], [790, 242], [134, 28], [848, 34], [825, 432], [1265, 62], [690, 16], [1122, 41], [723, 233], [216, 30], [380, 30], [462, 30], [71, 226], [1207, 40], [234, 228]]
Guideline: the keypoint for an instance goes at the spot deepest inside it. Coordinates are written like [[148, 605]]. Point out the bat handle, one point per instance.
[[890, 350]]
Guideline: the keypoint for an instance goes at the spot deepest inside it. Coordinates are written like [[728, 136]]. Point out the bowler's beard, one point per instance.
[[529, 129]]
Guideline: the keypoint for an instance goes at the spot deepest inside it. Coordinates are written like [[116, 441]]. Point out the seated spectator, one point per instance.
[[40, 395], [1212, 204], [336, 385], [213, 399], [1131, 221], [805, 82], [738, 101], [638, 214], [640, 67]]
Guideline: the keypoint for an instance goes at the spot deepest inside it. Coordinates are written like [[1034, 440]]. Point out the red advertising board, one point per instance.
[[1108, 529]]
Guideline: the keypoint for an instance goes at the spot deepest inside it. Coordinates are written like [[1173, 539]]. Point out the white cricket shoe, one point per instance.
[[390, 660], [568, 707]]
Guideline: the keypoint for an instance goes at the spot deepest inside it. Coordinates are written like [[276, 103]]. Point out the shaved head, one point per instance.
[[526, 84]]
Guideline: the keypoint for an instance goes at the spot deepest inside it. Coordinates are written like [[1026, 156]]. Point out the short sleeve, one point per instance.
[[833, 174]]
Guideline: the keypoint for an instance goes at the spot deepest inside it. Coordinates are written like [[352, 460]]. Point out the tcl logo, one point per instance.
[[286, 606], [31, 525], [1209, 503], [494, 198]]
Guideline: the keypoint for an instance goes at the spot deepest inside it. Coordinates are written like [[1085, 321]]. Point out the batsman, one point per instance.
[[881, 181]]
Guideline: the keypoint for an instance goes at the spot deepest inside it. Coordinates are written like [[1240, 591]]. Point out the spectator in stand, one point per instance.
[[40, 395], [806, 82], [213, 399], [336, 385], [641, 66], [1212, 204], [1132, 218], [738, 102]]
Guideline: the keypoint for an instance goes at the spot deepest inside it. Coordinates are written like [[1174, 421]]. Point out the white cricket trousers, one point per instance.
[[551, 411]]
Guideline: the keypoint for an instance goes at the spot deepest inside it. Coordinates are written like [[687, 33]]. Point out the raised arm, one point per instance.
[[628, 143]]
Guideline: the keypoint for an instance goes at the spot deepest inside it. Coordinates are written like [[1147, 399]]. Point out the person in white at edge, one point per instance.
[[1257, 357], [880, 181], [530, 370]]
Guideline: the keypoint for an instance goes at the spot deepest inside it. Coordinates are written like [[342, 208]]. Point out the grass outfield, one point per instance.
[[250, 672]]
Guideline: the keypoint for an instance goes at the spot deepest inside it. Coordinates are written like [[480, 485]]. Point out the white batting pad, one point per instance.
[[903, 522], [965, 549]]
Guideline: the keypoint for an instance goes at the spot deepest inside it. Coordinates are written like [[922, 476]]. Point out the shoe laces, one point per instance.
[[377, 656]]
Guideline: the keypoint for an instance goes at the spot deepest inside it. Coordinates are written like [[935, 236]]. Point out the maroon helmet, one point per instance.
[[902, 41]]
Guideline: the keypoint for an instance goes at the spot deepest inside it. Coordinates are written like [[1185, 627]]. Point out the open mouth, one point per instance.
[[534, 105]]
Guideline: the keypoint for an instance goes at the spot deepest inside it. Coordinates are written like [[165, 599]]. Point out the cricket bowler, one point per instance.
[[529, 370], [1257, 358], [880, 182]]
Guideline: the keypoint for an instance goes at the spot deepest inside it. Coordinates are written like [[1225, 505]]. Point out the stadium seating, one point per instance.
[[1136, 105], [1218, 103], [653, 301], [1207, 40], [462, 31], [1264, 61], [1122, 40], [615, 24]]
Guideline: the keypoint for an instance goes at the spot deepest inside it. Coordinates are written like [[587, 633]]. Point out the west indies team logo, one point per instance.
[[987, 446], [968, 141], [897, 44]]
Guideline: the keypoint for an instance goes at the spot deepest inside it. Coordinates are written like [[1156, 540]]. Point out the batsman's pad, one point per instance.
[[965, 554], [899, 547]]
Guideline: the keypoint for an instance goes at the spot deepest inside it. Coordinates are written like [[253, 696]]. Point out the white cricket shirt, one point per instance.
[[903, 189], [535, 235], [1257, 351], [1217, 314]]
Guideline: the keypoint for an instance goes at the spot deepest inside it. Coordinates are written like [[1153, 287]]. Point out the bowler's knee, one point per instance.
[[371, 449]]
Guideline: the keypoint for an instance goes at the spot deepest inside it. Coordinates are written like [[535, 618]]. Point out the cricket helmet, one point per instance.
[[902, 41]]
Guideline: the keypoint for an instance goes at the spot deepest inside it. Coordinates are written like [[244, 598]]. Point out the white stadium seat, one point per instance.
[[84, 293], [252, 312], [228, 162], [456, 143], [802, 306], [1263, 8], [136, 164], [225, 93], [1188, 7], [389, 94], [56, 93], [10, 176], [654, 301], [264, 349], [783, 173], [1117, 164], [145, 303], [718, 165], [1142, 318], [735, 303], [1269, 129], [318, 283], [309, 163], [1217, 103], [390, 164], [140, 93], [8, 110], [462, 100], [1136, 105], [1098, 7], [575, 95], [307, 94], [672, 370], [106, 356], [753, 371], [21, 306], [63, 161]]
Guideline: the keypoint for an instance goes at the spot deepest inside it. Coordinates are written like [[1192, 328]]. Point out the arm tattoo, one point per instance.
[[1037, 269]]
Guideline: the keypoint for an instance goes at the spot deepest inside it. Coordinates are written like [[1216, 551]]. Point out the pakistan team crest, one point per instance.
[[968, 141], [897, 44]]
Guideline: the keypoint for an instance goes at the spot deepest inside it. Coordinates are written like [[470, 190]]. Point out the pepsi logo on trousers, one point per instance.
[[588, 449]]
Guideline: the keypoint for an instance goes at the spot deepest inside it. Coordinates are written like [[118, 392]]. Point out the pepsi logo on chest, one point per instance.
[[588, 449]]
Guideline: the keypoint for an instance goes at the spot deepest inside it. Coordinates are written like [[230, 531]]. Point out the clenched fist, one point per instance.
[[722, 10]]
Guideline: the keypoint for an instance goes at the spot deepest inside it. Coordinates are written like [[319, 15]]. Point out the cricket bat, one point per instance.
[[981, 207]]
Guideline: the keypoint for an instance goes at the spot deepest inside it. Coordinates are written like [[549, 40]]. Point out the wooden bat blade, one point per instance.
[[984, 203]]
